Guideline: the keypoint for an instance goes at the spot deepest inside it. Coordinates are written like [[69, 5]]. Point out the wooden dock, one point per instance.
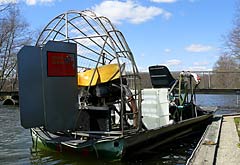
[[219, 143]]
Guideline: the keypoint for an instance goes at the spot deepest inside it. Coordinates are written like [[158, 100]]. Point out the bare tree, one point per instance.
[[4, 6], [14, 34], [225, 63], [225, 73], [227, 67], [233, 37]]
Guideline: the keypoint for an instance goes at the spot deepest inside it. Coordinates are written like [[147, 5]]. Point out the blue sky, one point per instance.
[[182, 34]]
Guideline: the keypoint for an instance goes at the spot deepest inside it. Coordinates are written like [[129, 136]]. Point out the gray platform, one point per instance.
[[219, 143]]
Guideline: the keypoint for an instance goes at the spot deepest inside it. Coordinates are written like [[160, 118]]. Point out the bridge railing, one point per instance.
[[219, 80], [209, 79]]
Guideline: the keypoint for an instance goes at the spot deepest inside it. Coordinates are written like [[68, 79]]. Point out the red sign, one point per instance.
[[60, 64]]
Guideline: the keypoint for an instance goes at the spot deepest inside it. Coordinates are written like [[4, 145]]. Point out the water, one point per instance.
[[226, 104], [16, 143], [222, 101]]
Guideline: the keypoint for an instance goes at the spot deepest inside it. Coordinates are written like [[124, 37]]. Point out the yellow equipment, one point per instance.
[[99, 75]]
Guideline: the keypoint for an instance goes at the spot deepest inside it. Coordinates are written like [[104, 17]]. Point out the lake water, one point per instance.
[[16, 143]]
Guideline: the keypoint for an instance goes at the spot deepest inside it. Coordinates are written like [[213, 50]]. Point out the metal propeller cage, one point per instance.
[[98, 43]]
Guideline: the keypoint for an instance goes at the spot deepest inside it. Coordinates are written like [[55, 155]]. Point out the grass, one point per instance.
[[237, 123]]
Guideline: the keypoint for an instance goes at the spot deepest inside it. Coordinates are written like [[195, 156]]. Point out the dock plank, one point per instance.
[[206, 150]]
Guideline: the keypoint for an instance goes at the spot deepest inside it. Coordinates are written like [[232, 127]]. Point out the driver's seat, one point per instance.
[[161, 77]]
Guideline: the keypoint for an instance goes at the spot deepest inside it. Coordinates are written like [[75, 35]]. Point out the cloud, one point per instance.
[[167, 50], [164, 1], [143, 69], [204, 63], [196, 48], [28, 2], [170, 1], [131, 11], [192, 1], [7, 1], [142, 55], [199, 68], [34, 2], [173, 62]]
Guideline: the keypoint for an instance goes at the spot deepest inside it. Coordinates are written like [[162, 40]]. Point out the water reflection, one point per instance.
[[172, 153], [52, 157]]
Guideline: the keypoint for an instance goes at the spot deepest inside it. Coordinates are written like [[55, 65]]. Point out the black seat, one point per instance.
[[161, 77]]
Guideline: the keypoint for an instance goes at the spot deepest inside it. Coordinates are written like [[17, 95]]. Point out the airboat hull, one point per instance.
[[150, 139], [104, 148], [118, 147]]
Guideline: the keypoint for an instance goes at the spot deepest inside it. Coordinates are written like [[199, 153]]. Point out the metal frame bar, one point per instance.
[[114, 46]]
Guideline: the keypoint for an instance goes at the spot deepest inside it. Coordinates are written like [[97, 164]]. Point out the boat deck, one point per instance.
[[76, 138]]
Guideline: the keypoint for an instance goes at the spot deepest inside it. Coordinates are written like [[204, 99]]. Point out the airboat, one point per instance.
[[80, 91]]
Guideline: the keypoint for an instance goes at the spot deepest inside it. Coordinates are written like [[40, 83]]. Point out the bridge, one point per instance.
[[8, 93], [221, 82], [9, 97], [224, 82], [212, 82]]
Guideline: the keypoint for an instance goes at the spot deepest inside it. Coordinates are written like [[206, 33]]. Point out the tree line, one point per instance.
[[14, 33], [229, 61]]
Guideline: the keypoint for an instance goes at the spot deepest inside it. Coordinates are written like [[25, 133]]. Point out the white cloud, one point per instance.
[[173, 62], [28, 2], [163, 1], [198, 48], [142, 55], [204, 63], [170, 1], [143, 69], [34, 2], [167, 15], [7, 1], [167, 50], [118, 11], [199, 68], [31, 2]]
